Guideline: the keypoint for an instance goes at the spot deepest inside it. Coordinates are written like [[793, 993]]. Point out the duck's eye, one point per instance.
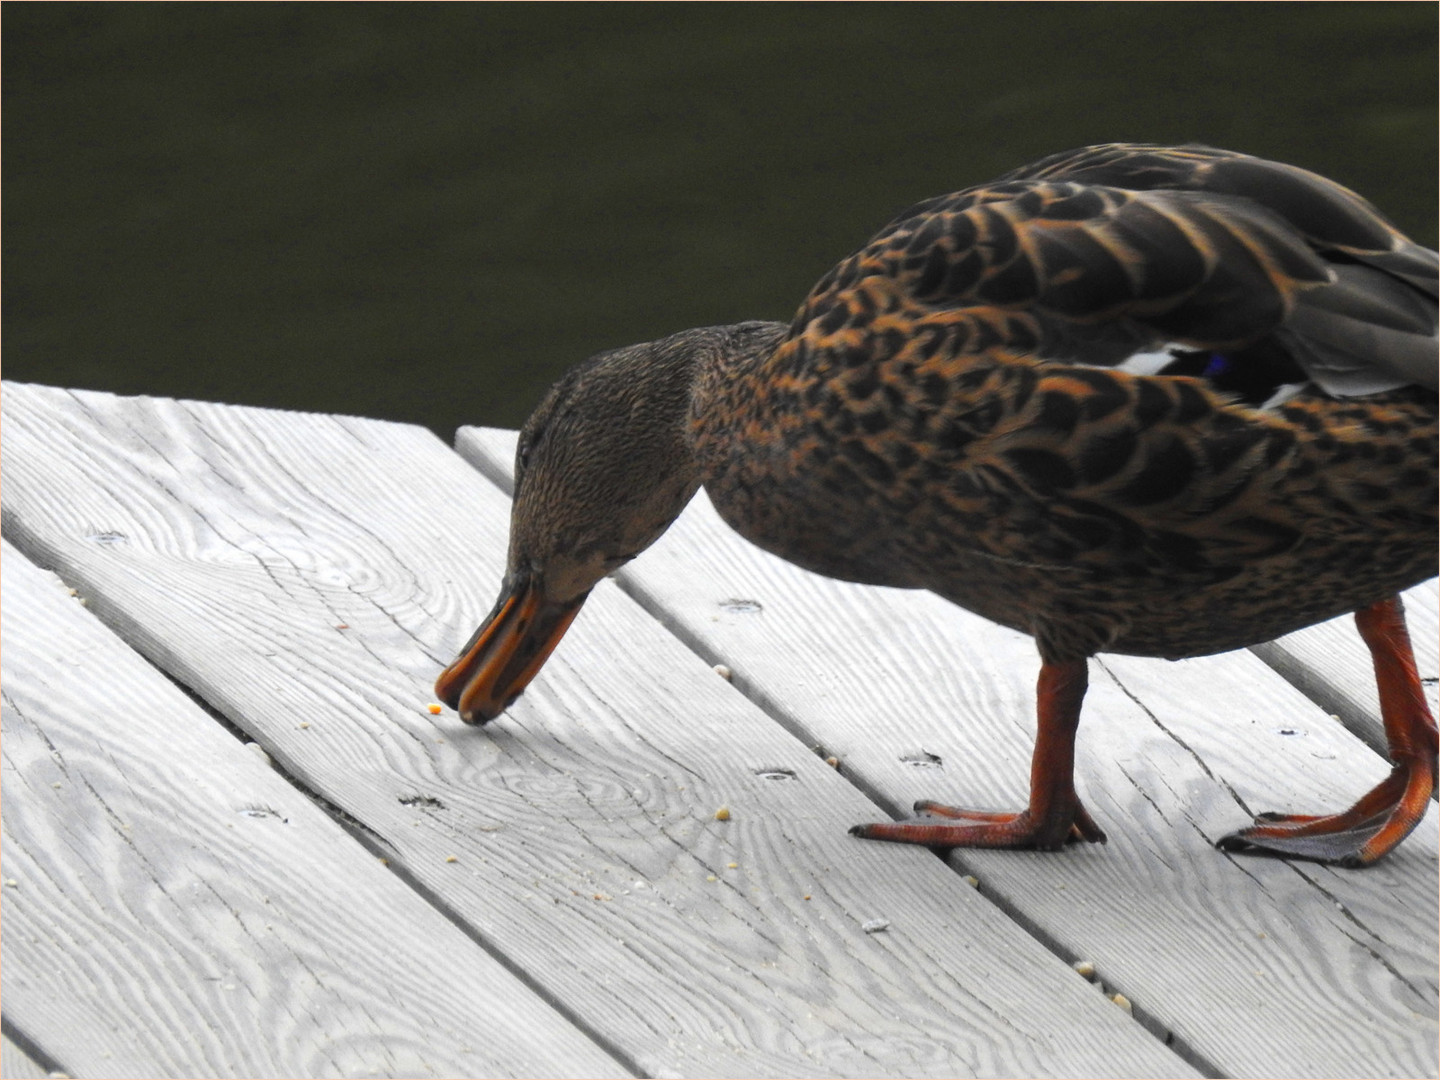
[[523, 450]]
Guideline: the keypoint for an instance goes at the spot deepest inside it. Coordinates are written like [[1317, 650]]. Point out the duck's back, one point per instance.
[[957, 405]]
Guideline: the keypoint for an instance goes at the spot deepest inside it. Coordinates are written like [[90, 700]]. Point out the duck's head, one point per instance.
[[602, 468]]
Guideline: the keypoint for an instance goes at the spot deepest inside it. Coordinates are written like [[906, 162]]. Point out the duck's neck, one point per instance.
[[752, 437], [636, 426], [727, 391]]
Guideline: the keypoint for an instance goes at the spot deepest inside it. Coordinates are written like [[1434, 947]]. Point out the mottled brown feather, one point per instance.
[[942, 412], [1148, 400]]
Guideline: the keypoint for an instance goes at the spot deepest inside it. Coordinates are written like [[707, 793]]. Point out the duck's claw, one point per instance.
[[1357, 837], [986, 828]]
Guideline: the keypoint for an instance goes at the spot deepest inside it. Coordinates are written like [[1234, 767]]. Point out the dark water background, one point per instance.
[[427, 211]]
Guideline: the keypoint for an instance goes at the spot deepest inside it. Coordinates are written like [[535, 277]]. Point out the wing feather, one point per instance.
[[1107, 251]]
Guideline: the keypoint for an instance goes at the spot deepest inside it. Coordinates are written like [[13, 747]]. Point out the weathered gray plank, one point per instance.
[[174, 908], [15, 1064], [1263, 967], [1331, 666], [307, 576]]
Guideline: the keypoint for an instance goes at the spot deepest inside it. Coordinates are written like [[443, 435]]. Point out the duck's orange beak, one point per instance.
[[506, 652]]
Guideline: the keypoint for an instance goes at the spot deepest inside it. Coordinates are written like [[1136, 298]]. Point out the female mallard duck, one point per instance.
[[1132, 399]]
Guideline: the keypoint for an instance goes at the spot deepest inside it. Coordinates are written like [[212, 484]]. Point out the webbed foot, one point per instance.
[[1357, 837], [985, 828]]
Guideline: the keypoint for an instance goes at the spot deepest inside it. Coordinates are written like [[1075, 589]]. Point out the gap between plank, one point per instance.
[[954, 859], [367, 838], [795, 728], [32, 1049], [374, 843]]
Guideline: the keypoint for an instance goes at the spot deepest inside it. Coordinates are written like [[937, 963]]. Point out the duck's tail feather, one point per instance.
[[1366, 333]]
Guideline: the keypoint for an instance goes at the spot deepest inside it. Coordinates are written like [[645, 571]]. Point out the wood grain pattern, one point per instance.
[[307, 576], [174, 908], [1260, 967]]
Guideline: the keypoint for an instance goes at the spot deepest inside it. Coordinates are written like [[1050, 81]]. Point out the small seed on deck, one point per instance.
[[451, 858], [724, 672], [972, 881], [1085, 969], [434, 708], [1124, 1003], [874, 926], [723, 814]]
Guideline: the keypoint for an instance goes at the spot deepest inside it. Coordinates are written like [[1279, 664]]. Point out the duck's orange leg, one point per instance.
[[1386, 814], [1054, 815]]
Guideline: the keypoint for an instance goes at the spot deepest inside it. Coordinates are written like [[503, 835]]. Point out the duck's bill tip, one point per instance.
[[506, 652]]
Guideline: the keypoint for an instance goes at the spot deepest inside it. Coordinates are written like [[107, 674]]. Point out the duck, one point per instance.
[[1164, 401]]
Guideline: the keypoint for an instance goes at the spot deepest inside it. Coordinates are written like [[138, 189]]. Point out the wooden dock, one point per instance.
[[237, 843]]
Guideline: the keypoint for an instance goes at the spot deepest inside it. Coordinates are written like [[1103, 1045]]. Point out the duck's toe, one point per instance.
[[1356, 837], [940, 826], [1281, 835]]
